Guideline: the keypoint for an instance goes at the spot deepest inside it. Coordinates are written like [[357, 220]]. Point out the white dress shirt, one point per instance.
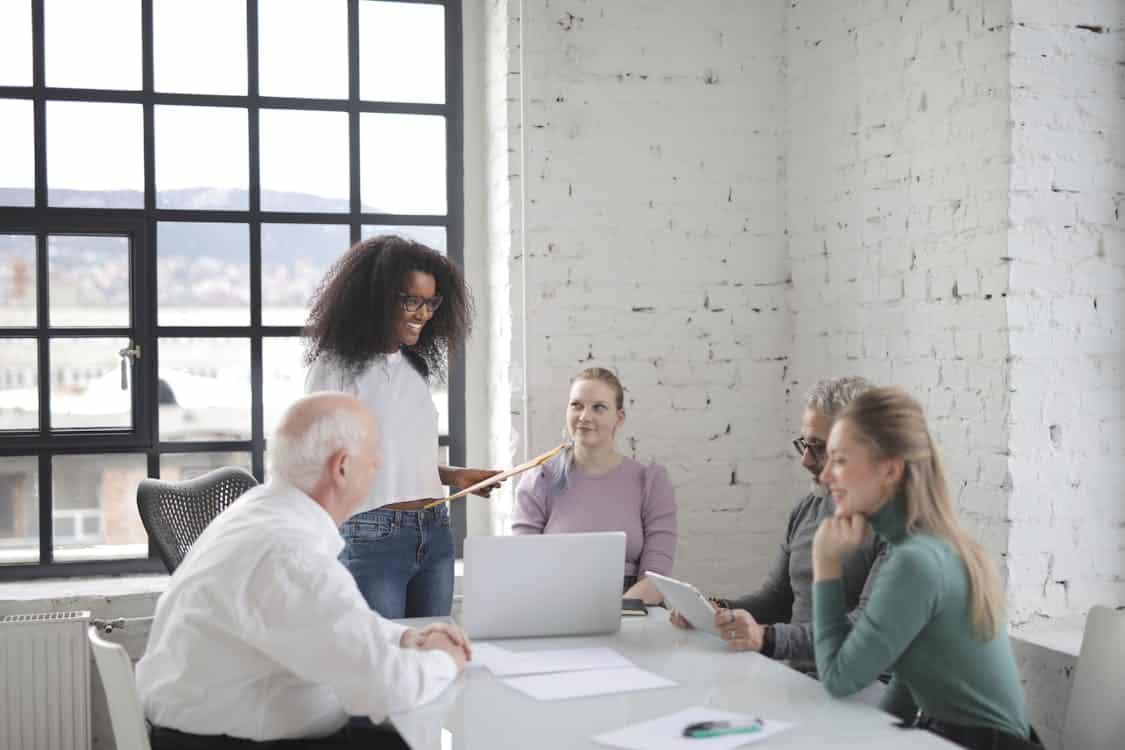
[[399, 398], [263, 635]]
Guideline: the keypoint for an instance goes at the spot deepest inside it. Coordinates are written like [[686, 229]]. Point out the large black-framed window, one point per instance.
[[163, 222]]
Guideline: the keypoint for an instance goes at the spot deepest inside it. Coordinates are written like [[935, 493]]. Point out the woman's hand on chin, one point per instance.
[[835, 538]]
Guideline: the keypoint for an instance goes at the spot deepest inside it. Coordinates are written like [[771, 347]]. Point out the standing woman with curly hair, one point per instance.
[[381, 325]]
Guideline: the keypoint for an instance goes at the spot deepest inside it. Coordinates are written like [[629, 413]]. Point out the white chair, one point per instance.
[[1094, 719], [125, 712]]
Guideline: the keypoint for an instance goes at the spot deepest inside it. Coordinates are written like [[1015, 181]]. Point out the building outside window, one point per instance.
[[176, 176]]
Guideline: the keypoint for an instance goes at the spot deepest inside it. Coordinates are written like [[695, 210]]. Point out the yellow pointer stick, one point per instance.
[[537, 461]]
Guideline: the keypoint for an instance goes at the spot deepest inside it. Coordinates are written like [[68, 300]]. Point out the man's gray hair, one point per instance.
[[300, 458], [831, 395]]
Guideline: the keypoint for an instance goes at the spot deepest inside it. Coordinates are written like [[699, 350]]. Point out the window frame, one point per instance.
[[143, 223]]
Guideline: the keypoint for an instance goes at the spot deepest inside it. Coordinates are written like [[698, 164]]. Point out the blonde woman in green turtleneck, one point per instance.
[[935, 616]]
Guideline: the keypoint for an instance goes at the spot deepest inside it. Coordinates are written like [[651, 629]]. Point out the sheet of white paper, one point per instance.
[[489, 656], [560, 685], [563, 660], [667, 732]]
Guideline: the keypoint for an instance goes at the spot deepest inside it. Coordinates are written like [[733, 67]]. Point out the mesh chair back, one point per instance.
[[176, 513]]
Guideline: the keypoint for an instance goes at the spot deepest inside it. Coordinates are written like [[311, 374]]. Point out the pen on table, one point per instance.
[[704, 729]]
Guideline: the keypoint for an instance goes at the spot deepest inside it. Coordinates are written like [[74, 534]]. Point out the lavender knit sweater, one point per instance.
[[632, 497]]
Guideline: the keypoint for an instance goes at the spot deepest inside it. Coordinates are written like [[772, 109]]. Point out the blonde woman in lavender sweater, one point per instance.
[[594, 488]]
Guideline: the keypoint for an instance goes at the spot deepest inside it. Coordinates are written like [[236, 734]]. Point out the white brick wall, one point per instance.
[[726, 201], [655, 245], [1066, 307], [897, 184], [502, 95]]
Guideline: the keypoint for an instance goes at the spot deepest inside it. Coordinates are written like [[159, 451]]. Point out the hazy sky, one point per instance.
[[200, 47]]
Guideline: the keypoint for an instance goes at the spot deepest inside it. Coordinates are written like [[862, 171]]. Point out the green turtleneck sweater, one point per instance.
[[918, 624]]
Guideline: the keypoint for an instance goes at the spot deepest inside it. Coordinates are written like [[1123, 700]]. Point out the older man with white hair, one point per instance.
[[262, 635]]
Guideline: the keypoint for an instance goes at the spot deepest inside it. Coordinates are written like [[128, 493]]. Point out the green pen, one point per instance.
[[704, 729]]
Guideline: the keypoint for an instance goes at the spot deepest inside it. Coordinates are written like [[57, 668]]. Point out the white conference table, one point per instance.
[[479, 712]]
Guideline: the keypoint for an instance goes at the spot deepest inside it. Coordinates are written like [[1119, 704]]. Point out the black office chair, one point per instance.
[[176, 513]]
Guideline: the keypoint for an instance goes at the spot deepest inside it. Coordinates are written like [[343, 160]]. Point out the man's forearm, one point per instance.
[[791, 641], [767, 605]]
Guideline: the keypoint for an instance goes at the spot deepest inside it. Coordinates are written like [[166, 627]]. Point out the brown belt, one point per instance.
[[408, 505]]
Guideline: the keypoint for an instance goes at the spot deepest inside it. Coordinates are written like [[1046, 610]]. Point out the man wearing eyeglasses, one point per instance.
[[776, 619]]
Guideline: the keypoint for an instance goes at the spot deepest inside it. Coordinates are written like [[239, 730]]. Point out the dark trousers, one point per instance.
[[357, 734], [978, 738]]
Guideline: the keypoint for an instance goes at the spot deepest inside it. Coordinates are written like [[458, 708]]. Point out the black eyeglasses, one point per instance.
[[411, 302], [816, 448]]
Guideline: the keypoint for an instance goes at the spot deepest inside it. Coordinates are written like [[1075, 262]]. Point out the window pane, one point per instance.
[[17, 148], [304, 161], [19, 509], [303, 48], [177, 466], [95, 507], [17, 280], [179, 25], [283, 377], [15, 43], [86, 384], [204, 389], [431, 237], [19, 385], [202, 274], [95, 155], [295, 258], [93, 45], [402, 163], [201, 158], [88, 280], [401, 52]]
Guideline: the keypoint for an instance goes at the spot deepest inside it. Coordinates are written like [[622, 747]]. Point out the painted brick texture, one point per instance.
[[727, 201], [897, 198], [1066, 307], [654, 209]]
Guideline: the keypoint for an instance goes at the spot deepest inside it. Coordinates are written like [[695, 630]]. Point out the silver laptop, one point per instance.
[[543, 585]]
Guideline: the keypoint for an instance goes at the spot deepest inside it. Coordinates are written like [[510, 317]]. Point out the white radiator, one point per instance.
[[45, 682]]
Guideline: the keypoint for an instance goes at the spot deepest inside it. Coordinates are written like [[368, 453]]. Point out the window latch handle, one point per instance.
[[134, 353]]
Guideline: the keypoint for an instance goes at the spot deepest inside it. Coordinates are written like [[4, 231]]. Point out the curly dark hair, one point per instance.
[[357, 306]]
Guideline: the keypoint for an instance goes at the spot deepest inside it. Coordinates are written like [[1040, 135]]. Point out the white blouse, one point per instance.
[[399, 398]]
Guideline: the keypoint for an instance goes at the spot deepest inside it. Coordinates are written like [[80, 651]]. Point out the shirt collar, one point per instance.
[[309, 513]]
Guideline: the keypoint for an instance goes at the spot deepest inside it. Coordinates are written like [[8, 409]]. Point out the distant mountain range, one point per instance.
[[220, 241], [189, 198]]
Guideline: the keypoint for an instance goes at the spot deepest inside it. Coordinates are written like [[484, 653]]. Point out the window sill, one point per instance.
[[74, 590], [1062, 634], [60, 594]]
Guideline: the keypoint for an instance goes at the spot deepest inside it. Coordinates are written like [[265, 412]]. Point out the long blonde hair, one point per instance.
[[894, 425]]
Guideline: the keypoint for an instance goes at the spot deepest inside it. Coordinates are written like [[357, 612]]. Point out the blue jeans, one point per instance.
[[402, 560]]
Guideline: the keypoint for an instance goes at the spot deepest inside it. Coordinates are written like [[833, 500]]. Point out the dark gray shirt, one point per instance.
[[785, 598]]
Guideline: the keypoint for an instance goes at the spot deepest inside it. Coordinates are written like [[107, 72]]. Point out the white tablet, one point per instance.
[[686, 599]]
